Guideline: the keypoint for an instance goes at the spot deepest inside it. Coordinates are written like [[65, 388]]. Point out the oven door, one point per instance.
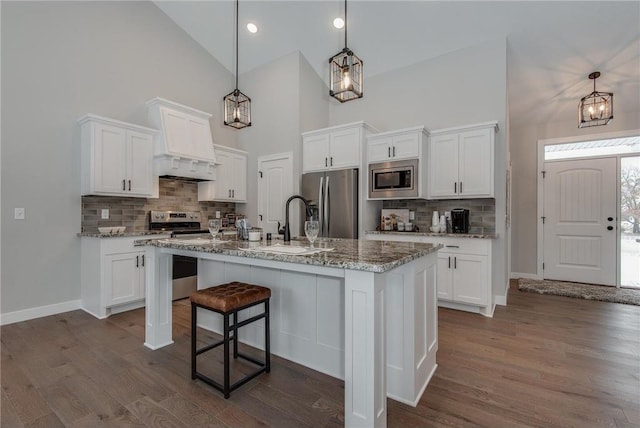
[[390, 180], [185, 276]]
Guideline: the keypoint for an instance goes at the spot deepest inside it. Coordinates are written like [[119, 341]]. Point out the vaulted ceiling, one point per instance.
[[551, 46]]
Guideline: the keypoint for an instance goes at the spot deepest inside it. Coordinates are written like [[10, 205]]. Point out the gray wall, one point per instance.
[[61, 60], [460, 88], [524, 160]]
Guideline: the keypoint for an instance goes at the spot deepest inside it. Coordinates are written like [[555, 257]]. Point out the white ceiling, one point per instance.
[[552, 46]]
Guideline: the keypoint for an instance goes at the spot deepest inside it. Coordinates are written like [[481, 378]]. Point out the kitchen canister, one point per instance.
[[435, 221], [255, 235]]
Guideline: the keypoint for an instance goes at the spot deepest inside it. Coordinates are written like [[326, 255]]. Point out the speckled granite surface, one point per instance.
[[440, 235], [103, 235], [352, 254]]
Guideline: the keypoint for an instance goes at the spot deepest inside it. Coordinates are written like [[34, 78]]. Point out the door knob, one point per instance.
[[610, 218], [609, 227]]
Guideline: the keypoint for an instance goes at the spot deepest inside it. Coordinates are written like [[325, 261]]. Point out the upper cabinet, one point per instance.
[[337, 147], [461, 162], [184, 147], [231, 177], [116, 158], [396, 145]]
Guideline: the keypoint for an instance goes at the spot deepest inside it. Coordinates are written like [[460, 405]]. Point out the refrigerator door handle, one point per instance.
[[327, 208], [320, 205]]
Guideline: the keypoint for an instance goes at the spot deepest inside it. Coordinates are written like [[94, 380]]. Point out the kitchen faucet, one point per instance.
[[287, 232]]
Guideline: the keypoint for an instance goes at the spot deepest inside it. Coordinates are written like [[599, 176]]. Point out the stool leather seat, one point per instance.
[[231, 296]]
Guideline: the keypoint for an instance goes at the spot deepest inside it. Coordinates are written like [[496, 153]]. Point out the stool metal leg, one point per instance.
[[227, 390], [267, 338], [194, 312], [235, 334]]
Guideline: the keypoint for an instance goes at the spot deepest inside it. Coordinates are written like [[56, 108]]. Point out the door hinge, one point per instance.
[[260, 172], [544, 174], [543, 218]]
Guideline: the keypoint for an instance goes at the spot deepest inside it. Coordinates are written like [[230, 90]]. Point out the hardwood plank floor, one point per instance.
[[542, 361]]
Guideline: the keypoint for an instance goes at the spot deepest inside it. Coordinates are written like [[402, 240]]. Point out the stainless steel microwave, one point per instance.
[[397, 179]]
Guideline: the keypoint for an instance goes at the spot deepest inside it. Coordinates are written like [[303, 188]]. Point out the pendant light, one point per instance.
[[596, 108], [345, 68], [237, 106]]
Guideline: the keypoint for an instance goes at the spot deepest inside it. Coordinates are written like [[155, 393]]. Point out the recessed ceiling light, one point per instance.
[[253, 28], [338, 22]]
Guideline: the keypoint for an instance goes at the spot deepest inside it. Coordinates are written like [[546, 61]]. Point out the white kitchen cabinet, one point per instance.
[[463, 270], [231, 177], [116, 158], [112, 274], [461, 162], [396, 145], [338, 147]]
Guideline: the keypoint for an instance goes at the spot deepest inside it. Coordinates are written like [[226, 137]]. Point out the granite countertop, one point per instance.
[[97, 234], [352, 254], [437, 235]]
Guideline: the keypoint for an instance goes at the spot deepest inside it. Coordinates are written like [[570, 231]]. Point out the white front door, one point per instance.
[[275, 185], [580, 221]]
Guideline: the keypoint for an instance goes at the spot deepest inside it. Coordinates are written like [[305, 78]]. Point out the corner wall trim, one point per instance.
[[516, 275], [40, 311]]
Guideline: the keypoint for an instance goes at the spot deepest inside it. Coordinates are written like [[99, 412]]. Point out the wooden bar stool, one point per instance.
[[227, 300]]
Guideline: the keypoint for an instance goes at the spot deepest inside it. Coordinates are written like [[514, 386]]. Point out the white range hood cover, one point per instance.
[[184, 146]]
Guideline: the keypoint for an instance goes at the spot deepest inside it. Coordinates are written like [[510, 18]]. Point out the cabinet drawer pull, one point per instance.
[[124, 185], [452, 246]]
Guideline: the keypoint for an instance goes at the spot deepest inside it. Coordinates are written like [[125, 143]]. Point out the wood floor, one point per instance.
[[542, 361]]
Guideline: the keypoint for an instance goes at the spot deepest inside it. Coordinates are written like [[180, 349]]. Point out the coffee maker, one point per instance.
[[459, 220]]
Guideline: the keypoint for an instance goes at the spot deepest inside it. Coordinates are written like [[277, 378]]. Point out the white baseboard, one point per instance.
[[39, 312], [516, 275]]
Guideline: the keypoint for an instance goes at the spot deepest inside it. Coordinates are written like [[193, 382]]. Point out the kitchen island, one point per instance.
[[364, 311]]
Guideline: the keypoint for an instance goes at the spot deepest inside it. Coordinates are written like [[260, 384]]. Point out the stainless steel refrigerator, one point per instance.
[[334, 202]]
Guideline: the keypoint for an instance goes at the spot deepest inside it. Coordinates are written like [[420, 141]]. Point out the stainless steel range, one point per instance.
[[185, 269]]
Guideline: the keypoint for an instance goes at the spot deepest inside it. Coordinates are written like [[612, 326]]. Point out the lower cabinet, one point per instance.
[[113, 274], [464, 271]]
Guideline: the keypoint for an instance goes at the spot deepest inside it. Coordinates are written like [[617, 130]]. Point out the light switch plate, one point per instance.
[[105, 214], [217, 214], [18, 214]]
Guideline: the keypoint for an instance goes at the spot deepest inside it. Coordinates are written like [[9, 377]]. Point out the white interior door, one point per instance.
[[580, 221], [275, 185]]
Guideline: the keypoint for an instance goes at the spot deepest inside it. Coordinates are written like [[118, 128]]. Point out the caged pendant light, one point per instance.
[[596, 108], [237, 106], [345, 68]]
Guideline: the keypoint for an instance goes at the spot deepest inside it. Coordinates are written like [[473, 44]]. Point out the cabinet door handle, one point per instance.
[[331, 163], [326, 163], [388, 152], [143, 260], [137, 261], [455, 187], [260, 217], [394, 151], [461, 187], [229, 193], [455, 263], [233, 193], [449, 262], [124, 184], [129, 185]]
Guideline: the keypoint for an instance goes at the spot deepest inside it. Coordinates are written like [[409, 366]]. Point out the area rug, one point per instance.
[[581, 291]]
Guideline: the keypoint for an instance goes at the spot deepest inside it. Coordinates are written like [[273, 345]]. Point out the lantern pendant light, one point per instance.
[[237, 106], [345, 68], [596, 108]]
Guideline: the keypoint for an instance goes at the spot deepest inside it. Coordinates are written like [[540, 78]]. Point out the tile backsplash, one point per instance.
[[482, 212], [175, 195]]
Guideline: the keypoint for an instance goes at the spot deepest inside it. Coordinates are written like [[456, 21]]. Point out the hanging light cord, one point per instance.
[[237, 43], [345, 24]]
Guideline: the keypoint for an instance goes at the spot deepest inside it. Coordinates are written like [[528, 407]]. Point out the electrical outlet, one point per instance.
[[217, 214], [105, 214], [18, 214]]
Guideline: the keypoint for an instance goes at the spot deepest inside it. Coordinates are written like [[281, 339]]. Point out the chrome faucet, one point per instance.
[[287, 232]]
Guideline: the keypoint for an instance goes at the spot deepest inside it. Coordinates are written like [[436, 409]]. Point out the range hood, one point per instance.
[[184, 147]]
